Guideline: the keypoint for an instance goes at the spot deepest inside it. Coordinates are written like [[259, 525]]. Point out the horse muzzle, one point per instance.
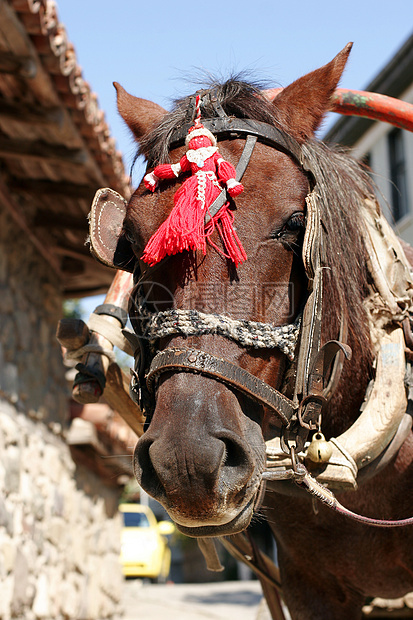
[[201, 457]]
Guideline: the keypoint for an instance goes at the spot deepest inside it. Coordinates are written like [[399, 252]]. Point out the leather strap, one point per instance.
[[192, 360], [227, 125], [305, 480], [243, 161], [113, 310]]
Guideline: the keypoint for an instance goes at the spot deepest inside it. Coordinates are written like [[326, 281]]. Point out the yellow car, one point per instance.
[[144, 548]]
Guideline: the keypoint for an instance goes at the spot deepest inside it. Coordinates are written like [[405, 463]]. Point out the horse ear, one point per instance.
[[140, 115], [300, 107]]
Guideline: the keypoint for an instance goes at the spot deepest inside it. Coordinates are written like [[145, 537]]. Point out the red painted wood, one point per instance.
[[368, 105]]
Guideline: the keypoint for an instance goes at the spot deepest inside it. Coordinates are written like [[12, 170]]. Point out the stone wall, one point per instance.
[[59, 526]]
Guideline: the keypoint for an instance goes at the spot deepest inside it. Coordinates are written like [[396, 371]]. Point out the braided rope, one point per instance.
[[246, 333]]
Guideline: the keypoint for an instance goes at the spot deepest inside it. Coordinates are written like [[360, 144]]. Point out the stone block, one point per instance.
[[69, 597], [58, 507], [78, 550], [8, 552], [93, 599], [29, 549], [71, 498], [6, 597], [38, 506], [51, 465], [56, 532], [9, 426], [57, 574], [34, 453], [108, 607], [39, 538], [41, 603], [111, 579], [20, 586], [51, 556], [114, 528], [83, 590], [2, 478], [11, 462], [26, 489]]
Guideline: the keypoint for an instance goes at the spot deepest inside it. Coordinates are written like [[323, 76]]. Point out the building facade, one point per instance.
[[387, 150], [59, 525]]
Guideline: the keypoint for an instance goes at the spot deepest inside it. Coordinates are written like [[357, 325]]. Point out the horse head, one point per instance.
[[203, 453]]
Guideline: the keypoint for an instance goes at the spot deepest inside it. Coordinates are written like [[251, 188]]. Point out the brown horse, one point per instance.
[[203, 453]]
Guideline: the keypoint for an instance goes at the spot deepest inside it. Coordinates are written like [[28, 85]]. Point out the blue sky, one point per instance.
[[152, 48]]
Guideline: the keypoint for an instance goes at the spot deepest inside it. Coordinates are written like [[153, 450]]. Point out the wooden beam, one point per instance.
[[72, 333], [71, 291], [30, 114], [85, 256], [14, 64], [48, 219], [57, 188], [40, 151], [108, 468], [17, 214]]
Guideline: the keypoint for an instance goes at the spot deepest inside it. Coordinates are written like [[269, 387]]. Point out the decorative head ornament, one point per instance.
[[185, 227]]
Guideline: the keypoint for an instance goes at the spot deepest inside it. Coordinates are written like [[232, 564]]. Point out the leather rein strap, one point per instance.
[[199, 362], [300, 475]]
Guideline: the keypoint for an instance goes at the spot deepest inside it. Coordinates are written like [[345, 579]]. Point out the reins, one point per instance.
[[301, 476]]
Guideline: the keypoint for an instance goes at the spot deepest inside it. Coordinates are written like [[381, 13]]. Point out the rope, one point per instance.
[[247, 333]]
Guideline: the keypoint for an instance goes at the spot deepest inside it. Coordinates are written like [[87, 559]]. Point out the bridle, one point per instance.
[[302, 413]]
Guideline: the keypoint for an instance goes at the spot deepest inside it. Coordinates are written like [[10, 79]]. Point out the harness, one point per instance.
[[317, 368]]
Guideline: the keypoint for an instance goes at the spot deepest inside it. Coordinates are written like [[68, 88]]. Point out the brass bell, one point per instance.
[[319, 450]]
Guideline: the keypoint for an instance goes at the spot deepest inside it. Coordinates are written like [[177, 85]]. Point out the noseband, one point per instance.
[[298, 415]]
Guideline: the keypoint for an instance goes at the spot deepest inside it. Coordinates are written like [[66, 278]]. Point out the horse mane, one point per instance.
[[341, 184]]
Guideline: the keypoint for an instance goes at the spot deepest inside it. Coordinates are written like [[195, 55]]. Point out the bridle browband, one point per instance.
[[302, 413], [228, 126]]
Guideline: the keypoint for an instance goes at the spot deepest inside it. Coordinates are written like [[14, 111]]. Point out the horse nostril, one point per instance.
[[144, 470], [234, 454], [237, 463]]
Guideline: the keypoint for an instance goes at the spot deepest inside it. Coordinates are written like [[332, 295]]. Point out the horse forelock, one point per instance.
[[237, 98]]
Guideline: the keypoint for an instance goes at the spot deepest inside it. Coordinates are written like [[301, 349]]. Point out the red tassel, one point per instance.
[[184, 229], [223, 221]]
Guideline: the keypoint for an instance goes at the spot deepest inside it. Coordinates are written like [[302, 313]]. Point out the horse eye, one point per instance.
[[296, 222], [128, 235]]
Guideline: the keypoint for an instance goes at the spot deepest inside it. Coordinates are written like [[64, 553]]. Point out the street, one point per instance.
[[205, 601]]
